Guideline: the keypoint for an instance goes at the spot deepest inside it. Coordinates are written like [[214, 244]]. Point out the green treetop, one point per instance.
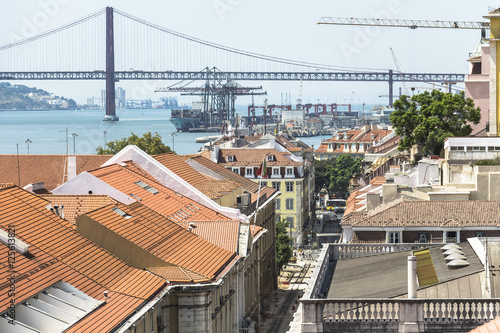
[[150, 143], [427, 119]]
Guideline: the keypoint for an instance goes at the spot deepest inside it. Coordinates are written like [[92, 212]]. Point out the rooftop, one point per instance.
[[385, 276], [58, 253], [53, 173], [169, 241]]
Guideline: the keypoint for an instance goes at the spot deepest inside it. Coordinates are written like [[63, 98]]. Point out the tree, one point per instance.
[[320, 177], [341, 172], [283, 249], [427, 119], [151, 144]]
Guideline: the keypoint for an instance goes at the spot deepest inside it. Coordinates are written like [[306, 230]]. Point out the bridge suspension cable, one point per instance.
[[242, 52], [53, 31]]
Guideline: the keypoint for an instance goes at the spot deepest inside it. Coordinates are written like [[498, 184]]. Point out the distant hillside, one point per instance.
[[19, 97]]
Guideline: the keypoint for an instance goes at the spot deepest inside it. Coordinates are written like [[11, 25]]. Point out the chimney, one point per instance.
[[412, 277], [56, 209], [372, 200]]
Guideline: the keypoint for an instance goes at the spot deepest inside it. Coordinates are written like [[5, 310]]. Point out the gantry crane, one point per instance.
[[493, 25], [218, 97]]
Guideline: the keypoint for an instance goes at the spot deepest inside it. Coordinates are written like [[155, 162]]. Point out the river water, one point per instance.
[[47, 131]]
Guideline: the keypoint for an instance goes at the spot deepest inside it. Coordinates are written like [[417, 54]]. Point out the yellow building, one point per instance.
[[289, 174]]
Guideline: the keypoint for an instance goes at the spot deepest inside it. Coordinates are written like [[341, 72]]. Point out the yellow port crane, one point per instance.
[[493, 25]]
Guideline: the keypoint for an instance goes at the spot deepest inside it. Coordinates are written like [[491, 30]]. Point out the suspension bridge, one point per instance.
[[112, 45]]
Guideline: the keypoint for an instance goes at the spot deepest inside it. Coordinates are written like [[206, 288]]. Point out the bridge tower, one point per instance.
[[110, 68]]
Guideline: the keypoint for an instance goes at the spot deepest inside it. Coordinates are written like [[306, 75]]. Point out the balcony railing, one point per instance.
[[349, 251], [390, 315]]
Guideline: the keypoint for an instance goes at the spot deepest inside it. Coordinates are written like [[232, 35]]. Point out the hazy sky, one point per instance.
[[284, 29]]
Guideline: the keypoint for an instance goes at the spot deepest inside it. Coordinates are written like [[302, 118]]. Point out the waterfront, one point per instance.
[[47, 130]]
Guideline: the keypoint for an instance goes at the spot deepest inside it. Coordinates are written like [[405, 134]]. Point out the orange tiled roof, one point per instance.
[[227, 174], [352, 136], [58, 253], [215, 188], [167, 202], [176, 274], [165, 239], [254, 157], [223, 233], [430, 214], [246, 184], [39, 270], [50, 169], [490, 327], [212, 188], [180, 168], [76, 205], [379, 180]]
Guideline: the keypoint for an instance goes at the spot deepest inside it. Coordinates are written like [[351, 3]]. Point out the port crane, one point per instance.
[[493, 25], [218, 97]]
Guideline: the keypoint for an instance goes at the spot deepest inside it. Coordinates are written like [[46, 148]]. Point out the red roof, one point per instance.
[[58, 253], [166, 239]]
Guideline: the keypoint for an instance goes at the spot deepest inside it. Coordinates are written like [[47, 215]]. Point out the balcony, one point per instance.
[[397, 315]]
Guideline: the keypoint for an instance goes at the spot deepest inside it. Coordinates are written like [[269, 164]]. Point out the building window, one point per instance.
[[289, 204], [276, 172], [270, 158], [476, 148], [346, 146], [289, 222], [263, 183], [249, 172], [289, 186], [330, 146], [353, 146], [276, 185], [230, 158], [394, 237], [278, 204], [289, 172], [422, 237], [236, 170], [457, 148], [493, 148]]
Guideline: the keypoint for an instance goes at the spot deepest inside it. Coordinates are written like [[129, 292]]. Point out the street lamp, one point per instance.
[[104, 133], [173, 135], [74, 135], [28, 141]]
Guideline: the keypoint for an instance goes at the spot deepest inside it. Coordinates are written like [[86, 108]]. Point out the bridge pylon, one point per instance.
[[110, 68]]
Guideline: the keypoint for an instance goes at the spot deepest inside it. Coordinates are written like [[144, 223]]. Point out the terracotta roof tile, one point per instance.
[[54, 170], [223, 233], [124, 177], [57, 253], [429, 213], [180, 168], [76, 205], [176, 274], [166, 239], [35, 224], [227, 174], [490, 327], [254, 157]]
